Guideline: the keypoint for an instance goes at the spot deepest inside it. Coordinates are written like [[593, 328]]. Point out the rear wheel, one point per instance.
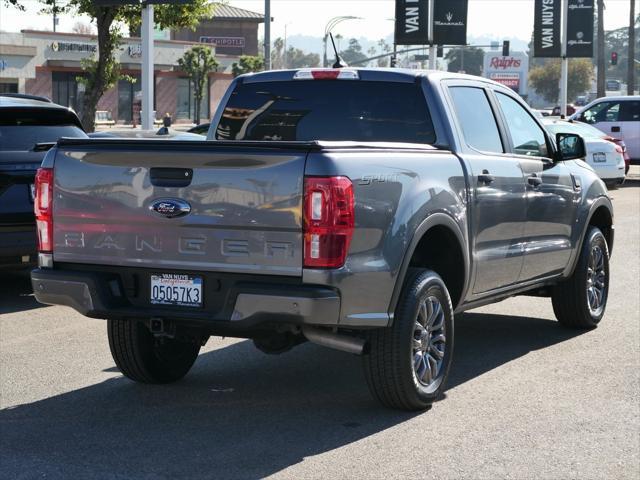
[[580, 301], [408, 363], [145, 358]]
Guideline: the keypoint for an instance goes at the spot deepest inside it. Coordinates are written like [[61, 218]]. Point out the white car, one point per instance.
[[605, 157], [615, 116]]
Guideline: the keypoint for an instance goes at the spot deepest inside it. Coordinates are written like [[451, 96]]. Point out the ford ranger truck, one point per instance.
[[358, 209]]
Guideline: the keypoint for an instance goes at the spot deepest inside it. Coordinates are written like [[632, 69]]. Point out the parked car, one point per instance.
[[360, 224], [571, 109], [201, 129], [25, 122], [616, 116], [604, 156], [163, 133]]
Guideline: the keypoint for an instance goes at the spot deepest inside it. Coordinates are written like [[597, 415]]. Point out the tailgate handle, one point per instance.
[[171, 177]]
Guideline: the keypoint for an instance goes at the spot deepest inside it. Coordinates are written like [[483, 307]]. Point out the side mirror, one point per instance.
[[570, 147]]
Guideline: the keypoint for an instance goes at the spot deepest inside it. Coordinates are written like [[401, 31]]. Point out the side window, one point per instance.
[[527, 136], [602, 112], [630, 111], [476, 119]]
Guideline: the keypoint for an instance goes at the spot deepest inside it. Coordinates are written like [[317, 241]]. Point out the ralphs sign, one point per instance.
[[510, 71], [412, 22]]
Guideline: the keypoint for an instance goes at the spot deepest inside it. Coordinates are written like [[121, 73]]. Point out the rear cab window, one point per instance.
[[21, 128], [332, 110], [476, 119]]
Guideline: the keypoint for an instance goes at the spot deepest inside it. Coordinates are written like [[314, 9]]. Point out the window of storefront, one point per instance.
[[8, 87], [127, 93], [185, 109], [67, 91]]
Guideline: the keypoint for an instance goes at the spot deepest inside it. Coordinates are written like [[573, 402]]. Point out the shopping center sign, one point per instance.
[[510, 71]]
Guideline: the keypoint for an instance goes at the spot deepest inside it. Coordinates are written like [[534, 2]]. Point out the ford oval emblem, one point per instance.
[[170, 207]]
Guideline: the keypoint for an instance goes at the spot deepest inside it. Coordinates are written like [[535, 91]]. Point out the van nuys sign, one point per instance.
[[412, 22], [547, 41]]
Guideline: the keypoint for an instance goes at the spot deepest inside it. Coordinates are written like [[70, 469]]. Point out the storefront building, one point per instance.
[[50, 64], [232, 31]]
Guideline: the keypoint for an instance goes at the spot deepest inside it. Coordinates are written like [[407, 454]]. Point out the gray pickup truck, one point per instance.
[[358, 209]]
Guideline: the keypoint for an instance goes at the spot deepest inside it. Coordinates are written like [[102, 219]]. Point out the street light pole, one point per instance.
[[564, 65], [147, 66], [267, 34], [331, 24]]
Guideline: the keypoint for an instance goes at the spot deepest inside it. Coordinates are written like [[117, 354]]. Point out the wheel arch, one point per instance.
[[442, 230], [600, 215]]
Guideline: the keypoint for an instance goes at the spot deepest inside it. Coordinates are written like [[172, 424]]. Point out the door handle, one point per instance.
[[534, 180], [486, 177], [615, 129]]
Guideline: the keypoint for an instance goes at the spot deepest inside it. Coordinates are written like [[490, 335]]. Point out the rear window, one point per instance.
[[22, 128], [334, 110]]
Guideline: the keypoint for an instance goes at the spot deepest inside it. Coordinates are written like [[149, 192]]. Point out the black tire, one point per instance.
[[144, 358], [393, 351], [573, 302]]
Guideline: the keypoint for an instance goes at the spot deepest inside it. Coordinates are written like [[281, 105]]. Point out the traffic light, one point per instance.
[[394, 62], [505, 48], [614, 58], [440, 51]]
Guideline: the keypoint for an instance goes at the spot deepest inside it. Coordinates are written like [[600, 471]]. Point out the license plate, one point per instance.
[[176, 289], [599, 157]]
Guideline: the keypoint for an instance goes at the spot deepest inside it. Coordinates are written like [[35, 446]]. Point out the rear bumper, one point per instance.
[[18, 245], [246, 305]]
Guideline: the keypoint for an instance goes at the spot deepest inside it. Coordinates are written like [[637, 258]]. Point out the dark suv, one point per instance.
[[25, 121]]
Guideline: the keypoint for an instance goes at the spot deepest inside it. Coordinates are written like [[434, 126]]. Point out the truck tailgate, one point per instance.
[[245, 205]]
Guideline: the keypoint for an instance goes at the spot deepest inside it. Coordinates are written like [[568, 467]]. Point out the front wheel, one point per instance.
[[145, 358], [580, 301], [408, 363]]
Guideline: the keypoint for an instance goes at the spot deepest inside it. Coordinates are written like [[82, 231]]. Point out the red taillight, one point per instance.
[[44, 209], [328, 221], [325, 74]]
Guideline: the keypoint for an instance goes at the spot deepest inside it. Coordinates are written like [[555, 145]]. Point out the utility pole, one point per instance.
[[267, 34], [147, 66], [600, 59], [631, 67], [55, 16], [564, 61]]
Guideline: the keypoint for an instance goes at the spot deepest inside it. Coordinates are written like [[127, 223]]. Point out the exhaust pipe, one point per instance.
[[334, 340]]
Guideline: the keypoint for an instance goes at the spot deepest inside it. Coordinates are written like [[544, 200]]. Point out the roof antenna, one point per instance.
[[339, 63]]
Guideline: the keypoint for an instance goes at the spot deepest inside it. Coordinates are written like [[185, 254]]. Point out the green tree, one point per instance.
[[198, 62], [546, 79], [102, 72], [469, 60], [297, 58], [384, 48], [14, 3], [247, 64], [354, 53]]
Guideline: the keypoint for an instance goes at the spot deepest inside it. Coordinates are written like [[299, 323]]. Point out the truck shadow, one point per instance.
[[16, 294], [238, 414]]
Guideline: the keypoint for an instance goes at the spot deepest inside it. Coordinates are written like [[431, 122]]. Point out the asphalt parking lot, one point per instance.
[[527, 399]]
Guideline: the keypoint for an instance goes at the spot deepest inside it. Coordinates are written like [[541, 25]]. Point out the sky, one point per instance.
[[499, 19]]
